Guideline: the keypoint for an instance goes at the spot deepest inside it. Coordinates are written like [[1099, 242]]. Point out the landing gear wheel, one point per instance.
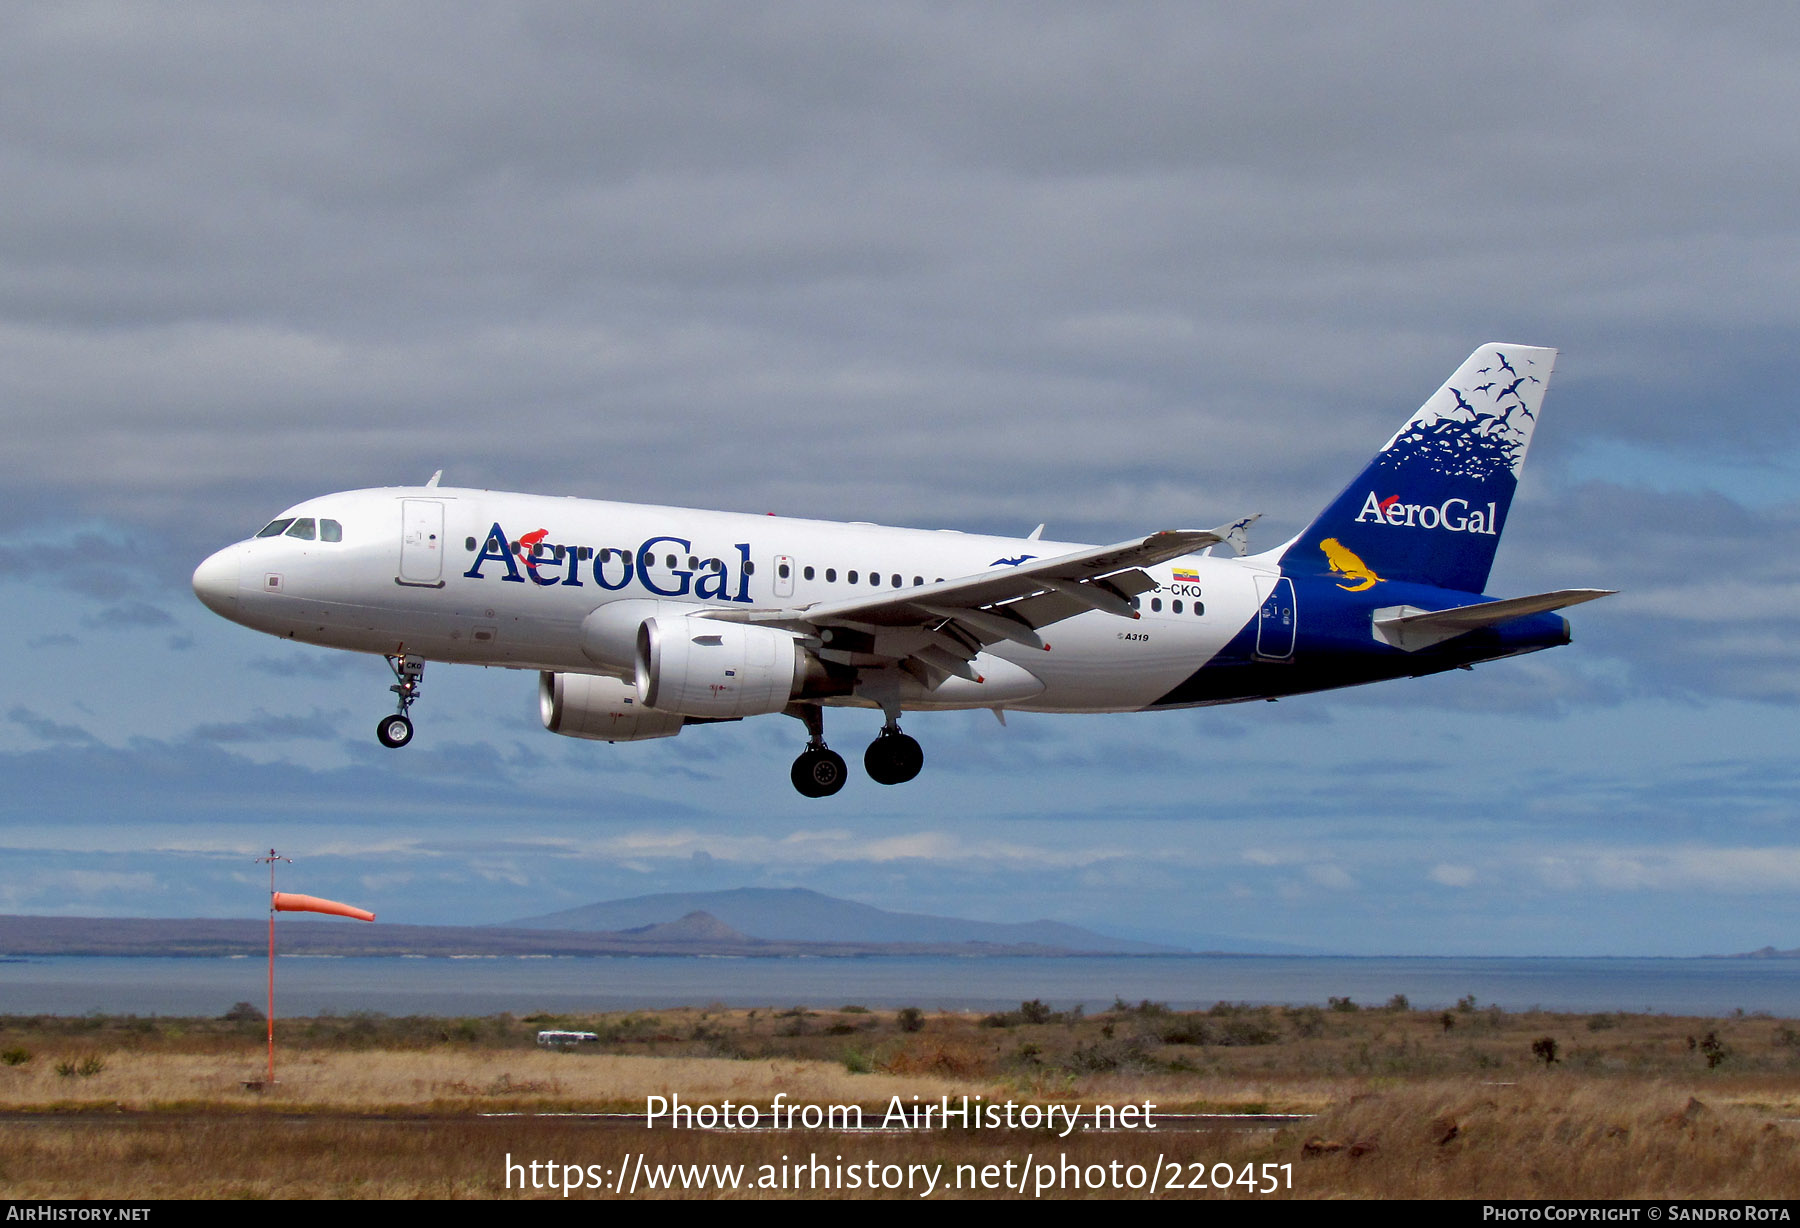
[[819, 772], [394, 731], [893, 758]]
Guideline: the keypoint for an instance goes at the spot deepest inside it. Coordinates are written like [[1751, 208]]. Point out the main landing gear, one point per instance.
[[818, 772], [893, 758], [396, 731]]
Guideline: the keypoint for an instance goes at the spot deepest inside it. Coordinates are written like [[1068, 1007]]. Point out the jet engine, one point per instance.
[[603, 709], [707, 668]]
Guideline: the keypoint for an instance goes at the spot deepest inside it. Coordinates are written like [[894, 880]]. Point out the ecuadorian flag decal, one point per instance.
[[1186, 575]]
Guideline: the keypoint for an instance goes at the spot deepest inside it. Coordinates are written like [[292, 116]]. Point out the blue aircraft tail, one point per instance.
[[1430, 507]]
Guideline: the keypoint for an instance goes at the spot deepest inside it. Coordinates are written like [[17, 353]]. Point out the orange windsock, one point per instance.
[[287, 901]]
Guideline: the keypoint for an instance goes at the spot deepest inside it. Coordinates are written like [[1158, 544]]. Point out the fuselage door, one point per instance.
[[784, 575], [1275, 622], [421, 541]]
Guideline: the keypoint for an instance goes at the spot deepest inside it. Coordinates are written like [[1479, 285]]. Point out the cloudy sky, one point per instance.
[[1117, 268]]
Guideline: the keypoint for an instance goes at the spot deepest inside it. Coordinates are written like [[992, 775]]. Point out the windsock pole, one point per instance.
[[272, 858]]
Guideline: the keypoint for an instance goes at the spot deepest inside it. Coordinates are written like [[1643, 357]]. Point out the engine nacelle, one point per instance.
[[706, 667], [604, 709], [609, 635]]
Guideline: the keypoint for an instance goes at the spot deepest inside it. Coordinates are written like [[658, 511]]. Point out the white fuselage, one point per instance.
[[418, 572]]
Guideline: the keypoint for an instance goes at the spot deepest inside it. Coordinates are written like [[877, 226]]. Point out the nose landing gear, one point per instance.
[[396, 731]]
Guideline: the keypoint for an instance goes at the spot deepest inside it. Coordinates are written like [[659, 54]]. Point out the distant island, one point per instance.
[[744, 922], [1762, 953]]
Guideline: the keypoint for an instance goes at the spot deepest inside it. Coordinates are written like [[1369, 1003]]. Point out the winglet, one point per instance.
[[1237, 535]]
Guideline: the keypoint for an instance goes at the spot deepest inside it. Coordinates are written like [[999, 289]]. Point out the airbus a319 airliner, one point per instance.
[[642, 620]]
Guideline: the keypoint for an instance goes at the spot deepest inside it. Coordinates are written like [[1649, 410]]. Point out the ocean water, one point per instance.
[[485, 986]]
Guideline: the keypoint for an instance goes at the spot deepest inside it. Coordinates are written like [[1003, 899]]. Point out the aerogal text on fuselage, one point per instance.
[[534, 559]]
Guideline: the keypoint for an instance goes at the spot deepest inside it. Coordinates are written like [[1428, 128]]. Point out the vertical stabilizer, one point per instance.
[[1430, 507]]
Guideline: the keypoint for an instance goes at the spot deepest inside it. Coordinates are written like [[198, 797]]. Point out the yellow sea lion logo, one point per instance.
[[1346, 564]]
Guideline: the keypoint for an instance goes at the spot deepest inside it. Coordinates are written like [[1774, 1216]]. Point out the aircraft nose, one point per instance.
[[216, 582]]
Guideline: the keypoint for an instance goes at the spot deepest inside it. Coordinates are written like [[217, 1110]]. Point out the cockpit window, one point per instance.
[[331, 531], [276, 528], [305, 528]]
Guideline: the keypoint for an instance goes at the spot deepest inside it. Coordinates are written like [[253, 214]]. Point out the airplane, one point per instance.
[[641, 620]]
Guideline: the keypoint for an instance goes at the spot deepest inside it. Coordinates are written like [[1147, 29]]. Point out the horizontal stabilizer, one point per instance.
[[1411, 629]]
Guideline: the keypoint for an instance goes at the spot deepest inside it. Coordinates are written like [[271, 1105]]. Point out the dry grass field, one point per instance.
[[1403, 1103]]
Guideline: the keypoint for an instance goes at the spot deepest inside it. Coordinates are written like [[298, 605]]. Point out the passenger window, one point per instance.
[[895, 579], [1135, 603], [1175, 605], [332, 531], [807, 572], [469, 545], [276, 528], [749, 568], [1199, 607], [875, 578], [671, 562], [850, 576], [918, 581], [831, 575], [784, 571], [305, 528], [1156, 605], [557, 554]]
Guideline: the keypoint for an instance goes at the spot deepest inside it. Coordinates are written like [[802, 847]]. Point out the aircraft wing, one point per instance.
[[943, 626]]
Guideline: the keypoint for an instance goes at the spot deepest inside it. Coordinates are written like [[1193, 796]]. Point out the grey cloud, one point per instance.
[[102, 563], [126, 615], [310, 664], [47, 729], [264, 727], [330, 241]]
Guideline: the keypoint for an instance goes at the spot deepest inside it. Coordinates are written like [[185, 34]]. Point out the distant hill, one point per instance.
[[695, 927], [748, 921], [695, 933], [795, 914]]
